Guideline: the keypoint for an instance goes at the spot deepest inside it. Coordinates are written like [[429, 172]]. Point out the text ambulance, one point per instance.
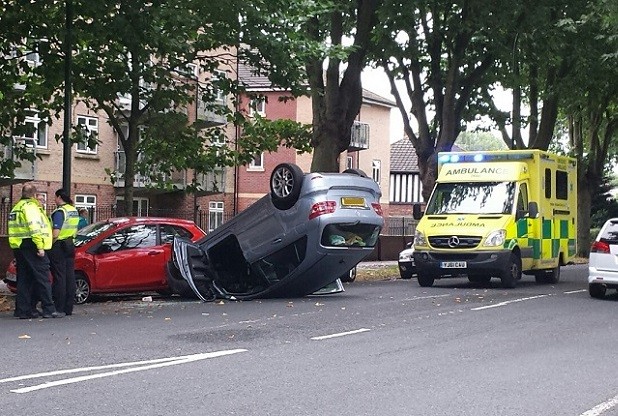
[[498, 214]]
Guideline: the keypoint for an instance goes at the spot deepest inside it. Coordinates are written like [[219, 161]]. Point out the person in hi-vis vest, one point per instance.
[[30, 235], [62, 254]]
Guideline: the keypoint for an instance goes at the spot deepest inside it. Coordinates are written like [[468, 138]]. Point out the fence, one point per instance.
[[393, 226]]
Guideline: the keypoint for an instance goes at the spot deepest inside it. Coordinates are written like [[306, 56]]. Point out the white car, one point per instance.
[[406, 262], [603, 263]]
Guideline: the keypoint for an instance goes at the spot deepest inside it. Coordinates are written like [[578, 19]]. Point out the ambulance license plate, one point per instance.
[[453, 265]]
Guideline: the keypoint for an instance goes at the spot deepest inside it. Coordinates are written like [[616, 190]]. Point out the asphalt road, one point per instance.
[[381, 348]]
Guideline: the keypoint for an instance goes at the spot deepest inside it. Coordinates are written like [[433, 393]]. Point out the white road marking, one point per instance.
[[597, 410], [575, 291], [151, 364], [426, 297], [496, 305], [341, 334]]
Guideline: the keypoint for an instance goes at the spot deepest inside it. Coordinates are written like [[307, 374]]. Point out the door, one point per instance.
[[131, 259]]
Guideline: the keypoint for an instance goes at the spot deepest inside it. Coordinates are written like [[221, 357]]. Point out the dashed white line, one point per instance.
[[597, 410], [340, 334], [497, 305], [163, 362], [570, 292]]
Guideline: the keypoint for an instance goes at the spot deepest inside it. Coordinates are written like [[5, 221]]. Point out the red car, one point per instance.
[[123, 255]]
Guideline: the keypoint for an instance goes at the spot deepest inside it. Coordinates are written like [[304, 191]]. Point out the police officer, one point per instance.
[[62, 255], [30, 235]]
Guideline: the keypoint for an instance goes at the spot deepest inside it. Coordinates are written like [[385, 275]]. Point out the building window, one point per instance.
[[257, 106], [376, 170], [257, 163], [215, 215], [90, 130], [89, 202], [85, 201], [42, 198], [36, 130], [219, 94], [405, 188], [140, 206], [349, 163]]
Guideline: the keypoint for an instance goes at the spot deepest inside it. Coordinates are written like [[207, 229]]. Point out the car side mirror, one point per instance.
[[409, 244], [533, 209], [417, 214]]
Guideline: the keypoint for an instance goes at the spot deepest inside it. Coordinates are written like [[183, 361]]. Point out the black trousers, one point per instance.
[[32, 280], [62, 264]]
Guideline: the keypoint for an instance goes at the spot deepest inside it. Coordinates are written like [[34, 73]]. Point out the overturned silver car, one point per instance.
[[310, 230]]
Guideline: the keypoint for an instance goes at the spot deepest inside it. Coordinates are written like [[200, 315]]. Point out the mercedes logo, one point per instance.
[[453, 241]]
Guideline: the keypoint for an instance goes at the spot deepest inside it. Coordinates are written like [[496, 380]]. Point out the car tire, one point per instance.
[[286, 181], [512, 273], [425, 280], [82, 289], [358, 172], [596, 290], [350, 276]]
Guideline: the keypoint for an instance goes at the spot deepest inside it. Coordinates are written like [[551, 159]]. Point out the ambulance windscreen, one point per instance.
[[472, 198]]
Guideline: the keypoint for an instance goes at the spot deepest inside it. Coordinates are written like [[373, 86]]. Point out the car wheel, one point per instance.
[[596, 290], [82, 289], [355, 172], [479, 278], [425, 280], [285, 184], [548, 276], [512, 273], [350, 276]]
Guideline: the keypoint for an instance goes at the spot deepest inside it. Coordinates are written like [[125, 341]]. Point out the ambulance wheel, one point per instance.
[[285, 184], [512, 273], [424, 280]]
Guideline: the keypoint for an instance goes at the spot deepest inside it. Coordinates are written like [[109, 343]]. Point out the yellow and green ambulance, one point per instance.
[[498, 214]]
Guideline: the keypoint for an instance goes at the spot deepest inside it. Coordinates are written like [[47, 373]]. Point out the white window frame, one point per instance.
[[43, 196], [220, 96], [87, 201], [143, 205], [256, 165], [376, 170], [40, 138], [216, 210], [91, 125], [257, 106], [349, 162]]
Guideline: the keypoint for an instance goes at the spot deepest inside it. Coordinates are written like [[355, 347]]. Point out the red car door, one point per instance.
[[130, 259]]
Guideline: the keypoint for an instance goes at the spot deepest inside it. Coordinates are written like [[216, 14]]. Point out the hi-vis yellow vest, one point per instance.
[[27, 220], [71, 220]]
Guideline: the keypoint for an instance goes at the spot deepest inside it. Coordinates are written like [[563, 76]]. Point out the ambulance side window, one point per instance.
[[547, 183], [562, 184], [522, 198]]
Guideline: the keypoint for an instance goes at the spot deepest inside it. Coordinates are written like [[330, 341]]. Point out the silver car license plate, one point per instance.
[[453, 265]]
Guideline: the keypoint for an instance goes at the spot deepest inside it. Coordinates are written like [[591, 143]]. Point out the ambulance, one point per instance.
[[498, 214]]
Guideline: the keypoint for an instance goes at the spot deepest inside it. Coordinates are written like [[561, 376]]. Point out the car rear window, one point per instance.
[[346, 235], [609, 234]]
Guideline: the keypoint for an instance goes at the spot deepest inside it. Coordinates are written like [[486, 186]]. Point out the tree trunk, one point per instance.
[[584, 203]]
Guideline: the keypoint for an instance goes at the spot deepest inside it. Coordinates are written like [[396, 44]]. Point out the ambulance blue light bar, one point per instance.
[[482, 157]]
